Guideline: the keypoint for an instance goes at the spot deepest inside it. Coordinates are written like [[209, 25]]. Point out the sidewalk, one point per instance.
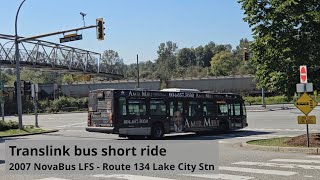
[[310, 150], [273, 107]]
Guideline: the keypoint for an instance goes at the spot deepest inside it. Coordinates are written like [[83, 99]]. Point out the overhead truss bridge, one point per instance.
[[49, 56]]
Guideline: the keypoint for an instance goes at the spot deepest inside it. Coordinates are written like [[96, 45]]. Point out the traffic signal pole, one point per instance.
[[55, 33], [17, 54]]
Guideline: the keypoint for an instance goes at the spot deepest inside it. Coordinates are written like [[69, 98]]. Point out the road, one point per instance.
[[236, 163]]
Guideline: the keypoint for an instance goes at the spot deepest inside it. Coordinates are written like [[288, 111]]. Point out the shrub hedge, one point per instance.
[[61, 103], [6, 125]]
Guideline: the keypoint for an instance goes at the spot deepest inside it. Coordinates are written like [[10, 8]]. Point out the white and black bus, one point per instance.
[[155, 113]]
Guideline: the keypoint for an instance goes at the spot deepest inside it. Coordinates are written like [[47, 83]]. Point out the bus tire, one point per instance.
[[224, 127], [157, 131]]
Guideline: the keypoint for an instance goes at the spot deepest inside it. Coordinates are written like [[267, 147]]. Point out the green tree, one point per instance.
[[111, 62], [203, 56], [186, 57], [223, 64], [286, 35], [166, 61]]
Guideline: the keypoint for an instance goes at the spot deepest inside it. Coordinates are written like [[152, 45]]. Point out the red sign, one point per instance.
[[303, 74]]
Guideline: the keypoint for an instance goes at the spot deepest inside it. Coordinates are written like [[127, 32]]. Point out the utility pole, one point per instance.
[[138, 70]]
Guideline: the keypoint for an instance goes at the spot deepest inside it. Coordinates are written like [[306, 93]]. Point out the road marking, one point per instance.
[[219, 176], [308, 176], [296, 160], [291, 166], [68, 125], [130, 177], [313, 156], [223, 142], [180, 134], [257, 171], [241, 136], [262, 129], [52, 178]]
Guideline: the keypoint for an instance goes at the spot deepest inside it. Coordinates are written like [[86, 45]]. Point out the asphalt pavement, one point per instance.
[[236, 163]]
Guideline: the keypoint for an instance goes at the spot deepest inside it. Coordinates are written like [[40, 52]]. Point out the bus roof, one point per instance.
[[179, 90], [224, 95]]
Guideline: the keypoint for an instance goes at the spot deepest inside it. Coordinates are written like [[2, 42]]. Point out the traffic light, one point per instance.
[[27, 87], [22, 86], [100, 28], [246, 56]]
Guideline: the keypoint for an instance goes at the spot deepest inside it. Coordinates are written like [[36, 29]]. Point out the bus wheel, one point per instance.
[[157, 131], [224, 127]]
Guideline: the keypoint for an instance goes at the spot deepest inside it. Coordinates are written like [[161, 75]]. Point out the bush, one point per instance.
[[13, 124], [3, 126], [8, 125], [61, 103]]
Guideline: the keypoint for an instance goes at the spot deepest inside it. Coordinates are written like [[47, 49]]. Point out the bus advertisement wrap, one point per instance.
[[107, 157], [153, 114]]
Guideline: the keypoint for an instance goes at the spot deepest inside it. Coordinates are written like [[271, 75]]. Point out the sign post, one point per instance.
[[305, 103], [34, 94], [2, 99]]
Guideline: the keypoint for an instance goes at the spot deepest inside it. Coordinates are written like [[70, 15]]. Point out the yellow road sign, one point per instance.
[[306, 119], [305, 103]]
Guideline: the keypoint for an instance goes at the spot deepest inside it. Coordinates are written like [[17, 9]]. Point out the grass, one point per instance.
[[275, 99], [20, 132], [271, 142]]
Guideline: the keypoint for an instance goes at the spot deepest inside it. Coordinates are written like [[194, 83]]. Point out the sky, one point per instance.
[[132, 26]]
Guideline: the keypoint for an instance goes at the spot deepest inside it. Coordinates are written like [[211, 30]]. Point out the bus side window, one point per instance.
[[157, 107], [230, 109], [194, 108], [122, 106], [171, 108], [208, 108], [244, 111], [237, 110], [180, 106], [223, 109], [137, 106]]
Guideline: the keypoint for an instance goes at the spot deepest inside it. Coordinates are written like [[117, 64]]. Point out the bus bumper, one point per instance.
[[109, 130]]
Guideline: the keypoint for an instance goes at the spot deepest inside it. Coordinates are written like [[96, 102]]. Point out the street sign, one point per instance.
[[304, 87], [34, 90], [305, 103], [303, 74], [306, 119], [70, 37]]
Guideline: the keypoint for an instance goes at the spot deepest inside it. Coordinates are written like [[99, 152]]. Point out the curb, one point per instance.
[[266, 110], [17, 135], [281, 149]]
